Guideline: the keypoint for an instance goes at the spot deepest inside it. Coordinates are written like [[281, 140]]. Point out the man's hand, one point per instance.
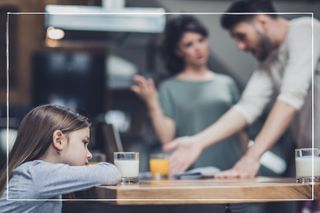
[[246, 167], [280, 117], [186, 151]]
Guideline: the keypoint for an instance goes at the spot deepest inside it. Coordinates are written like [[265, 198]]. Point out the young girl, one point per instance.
[[49, 159], [193, 97]]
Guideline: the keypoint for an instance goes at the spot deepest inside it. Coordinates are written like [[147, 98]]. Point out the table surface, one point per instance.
[[205, 191]]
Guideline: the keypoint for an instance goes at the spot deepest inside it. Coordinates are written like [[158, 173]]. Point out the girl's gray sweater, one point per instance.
[[37, 186]]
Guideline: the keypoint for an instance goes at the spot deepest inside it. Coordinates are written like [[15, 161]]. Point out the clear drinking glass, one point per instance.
[[159, 165], [304, 159], [128, 165]]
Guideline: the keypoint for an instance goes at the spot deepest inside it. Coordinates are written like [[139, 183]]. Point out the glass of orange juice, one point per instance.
[[159, 165]]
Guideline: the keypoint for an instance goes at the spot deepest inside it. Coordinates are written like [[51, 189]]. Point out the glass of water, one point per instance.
[[305, 158]]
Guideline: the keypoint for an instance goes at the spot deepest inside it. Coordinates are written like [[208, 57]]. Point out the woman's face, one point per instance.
[[76, 152], [193, 48]]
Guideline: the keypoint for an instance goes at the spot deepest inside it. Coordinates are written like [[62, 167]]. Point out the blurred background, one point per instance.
[[79, 58]]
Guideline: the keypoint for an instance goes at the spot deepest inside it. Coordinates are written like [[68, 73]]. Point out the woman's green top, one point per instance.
[[194, 106]]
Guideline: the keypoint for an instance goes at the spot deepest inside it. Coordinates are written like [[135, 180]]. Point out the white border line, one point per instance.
[[7, 98], [167, 13], [265, 200], [312, 106]]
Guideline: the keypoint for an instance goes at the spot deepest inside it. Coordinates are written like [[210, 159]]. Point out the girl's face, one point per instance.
[[193, 48], [76, 152]]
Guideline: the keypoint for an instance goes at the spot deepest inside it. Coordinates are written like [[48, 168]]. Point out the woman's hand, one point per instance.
[[145, 88], [186, 151]]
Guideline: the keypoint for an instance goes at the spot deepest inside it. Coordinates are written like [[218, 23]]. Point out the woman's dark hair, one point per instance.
[[35, 134], [228, 21], [174, 30]]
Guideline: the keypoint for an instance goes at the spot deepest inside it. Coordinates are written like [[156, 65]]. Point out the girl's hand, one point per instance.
[[145, 89]]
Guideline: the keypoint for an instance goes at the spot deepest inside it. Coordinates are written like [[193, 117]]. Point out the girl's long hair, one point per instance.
[[35, 134]]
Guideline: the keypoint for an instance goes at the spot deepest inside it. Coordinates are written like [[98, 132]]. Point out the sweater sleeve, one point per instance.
[[256, 96], [50, 180], [298, 72]]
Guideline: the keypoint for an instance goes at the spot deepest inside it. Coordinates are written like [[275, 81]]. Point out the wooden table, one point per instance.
[[206, 191]]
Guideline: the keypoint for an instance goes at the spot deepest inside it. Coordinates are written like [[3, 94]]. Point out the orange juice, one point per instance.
[[159, 166]]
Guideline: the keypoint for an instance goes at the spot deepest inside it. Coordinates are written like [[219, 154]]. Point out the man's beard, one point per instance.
[[264, 47]]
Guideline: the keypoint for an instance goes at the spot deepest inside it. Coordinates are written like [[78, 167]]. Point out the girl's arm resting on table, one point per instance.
[[50, 180]]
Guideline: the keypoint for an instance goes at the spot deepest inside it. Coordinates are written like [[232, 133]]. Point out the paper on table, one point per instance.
[[197, 173]]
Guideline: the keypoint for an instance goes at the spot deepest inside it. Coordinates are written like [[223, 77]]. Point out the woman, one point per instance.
[[194, 96]]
